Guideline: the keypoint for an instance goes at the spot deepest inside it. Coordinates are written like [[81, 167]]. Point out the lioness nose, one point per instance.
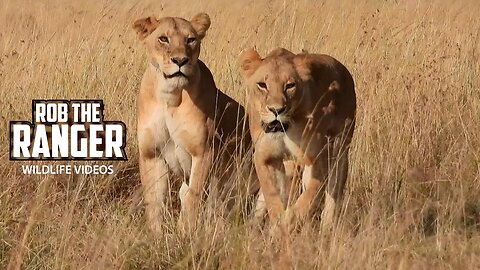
[[180, 61], [277, 111]]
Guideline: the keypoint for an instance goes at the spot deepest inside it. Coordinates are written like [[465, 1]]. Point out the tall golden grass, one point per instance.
[[412, 200]]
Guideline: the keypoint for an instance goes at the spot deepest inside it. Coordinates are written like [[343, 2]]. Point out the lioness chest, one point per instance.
[[283, 145], [177, 133]]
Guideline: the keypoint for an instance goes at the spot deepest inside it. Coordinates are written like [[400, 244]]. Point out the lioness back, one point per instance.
[[334, 87]]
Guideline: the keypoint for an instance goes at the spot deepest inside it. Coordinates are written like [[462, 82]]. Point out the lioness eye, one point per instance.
[[289, 86], [163, 39], [191, 40], [262, 86]]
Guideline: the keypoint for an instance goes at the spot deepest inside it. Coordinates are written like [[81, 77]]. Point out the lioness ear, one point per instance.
[[201, 23], [302, 65], [249, 61], [145, 27]]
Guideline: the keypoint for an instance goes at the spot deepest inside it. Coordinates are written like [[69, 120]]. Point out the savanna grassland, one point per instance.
[[412, 200]]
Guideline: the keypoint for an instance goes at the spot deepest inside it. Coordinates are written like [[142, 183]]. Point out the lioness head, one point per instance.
[[275, 86], [173, 45]]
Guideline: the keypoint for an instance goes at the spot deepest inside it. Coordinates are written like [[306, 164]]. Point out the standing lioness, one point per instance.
[[301, 108], [182, 116]]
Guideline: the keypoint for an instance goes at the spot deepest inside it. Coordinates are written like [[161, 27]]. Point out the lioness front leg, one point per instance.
[[268, 170], [314, 181], [336, 181], [198, 177], [154, 176]]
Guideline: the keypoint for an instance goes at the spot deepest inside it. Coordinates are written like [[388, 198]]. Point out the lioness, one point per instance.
[[182, 116], [301, 108]]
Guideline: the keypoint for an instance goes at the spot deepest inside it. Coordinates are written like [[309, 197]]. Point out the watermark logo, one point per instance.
[[67, 130]]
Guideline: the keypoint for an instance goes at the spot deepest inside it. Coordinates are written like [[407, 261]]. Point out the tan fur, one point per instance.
[[181, 118], [316, 100]]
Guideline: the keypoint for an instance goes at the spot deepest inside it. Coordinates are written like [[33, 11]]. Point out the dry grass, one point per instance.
[[412, 200]]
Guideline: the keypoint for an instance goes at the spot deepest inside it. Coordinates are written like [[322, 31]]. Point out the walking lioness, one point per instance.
[[183, 119], [301, 108]]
